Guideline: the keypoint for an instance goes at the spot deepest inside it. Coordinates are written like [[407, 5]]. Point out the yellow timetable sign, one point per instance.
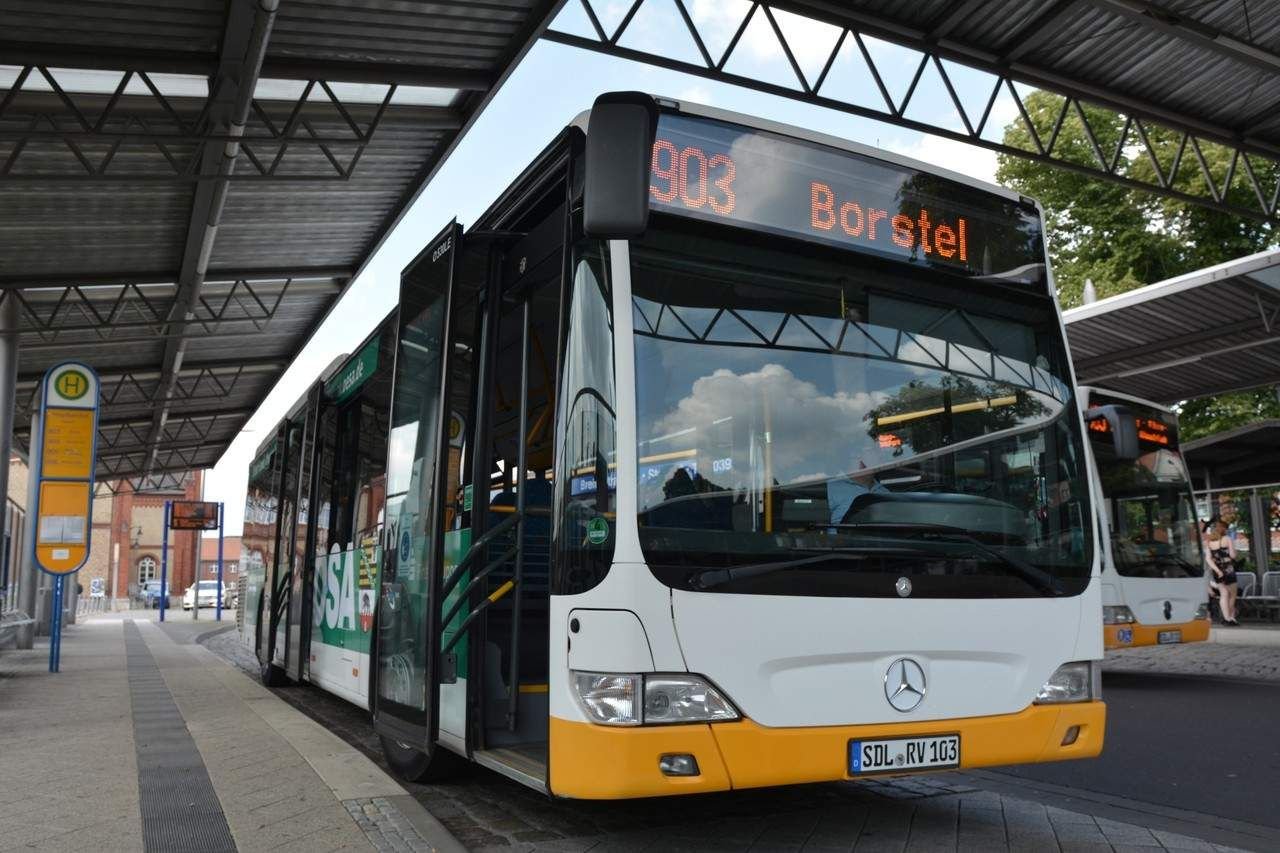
[[62, 530], [68, 425], [67, 452]]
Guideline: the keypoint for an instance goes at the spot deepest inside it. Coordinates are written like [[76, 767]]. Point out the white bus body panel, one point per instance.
[[807, 661], [1146, 597]]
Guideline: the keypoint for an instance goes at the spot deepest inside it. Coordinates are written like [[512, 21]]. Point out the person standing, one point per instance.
[[1220, 555]]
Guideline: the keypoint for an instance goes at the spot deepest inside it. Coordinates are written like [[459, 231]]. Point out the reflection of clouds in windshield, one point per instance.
[[769, 189], [812, 431], [400, 455]]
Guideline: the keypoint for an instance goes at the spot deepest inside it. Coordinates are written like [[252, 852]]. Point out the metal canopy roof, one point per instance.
[[1205, 71], [1208, 332], [1245, 456], [187, 186]]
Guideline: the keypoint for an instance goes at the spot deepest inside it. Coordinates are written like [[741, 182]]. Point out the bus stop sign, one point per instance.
[[64, 467]]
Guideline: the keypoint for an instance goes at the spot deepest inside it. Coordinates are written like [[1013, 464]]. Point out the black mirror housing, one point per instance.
[[620, 136], [1123, 426]]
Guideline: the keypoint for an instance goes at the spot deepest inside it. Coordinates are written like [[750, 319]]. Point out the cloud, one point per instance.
[[970, 160], [696, 94], [797, 410]]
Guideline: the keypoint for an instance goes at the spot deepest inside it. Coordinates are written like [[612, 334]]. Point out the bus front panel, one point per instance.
[[840, 486]]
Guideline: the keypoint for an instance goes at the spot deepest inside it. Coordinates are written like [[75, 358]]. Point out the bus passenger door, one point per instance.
[[406, 695], [298, 632]]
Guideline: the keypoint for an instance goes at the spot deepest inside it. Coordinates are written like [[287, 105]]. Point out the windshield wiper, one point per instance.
[[1034, 575], [710, 578]]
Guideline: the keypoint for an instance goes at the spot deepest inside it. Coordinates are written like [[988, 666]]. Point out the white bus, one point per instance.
[[723, 454], [1154, 589]]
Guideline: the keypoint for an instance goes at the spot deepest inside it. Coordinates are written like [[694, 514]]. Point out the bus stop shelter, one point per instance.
[[1208, 332], [1239, 469], [1211, 331], [187, 189]]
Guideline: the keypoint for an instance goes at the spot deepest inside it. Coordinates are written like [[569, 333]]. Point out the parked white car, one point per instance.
[[208, 592]]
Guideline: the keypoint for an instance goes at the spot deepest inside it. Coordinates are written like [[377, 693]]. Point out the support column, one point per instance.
[[29, 576], [1260, 541], [8, 390]]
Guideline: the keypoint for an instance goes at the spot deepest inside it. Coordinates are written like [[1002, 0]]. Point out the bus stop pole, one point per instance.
[[55, 625], [164, 562], [217, 614]]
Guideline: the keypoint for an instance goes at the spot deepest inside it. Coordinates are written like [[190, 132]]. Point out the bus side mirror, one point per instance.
[[1123, 426], [620, 137]]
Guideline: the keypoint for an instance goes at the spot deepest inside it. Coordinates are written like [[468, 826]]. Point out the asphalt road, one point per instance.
[[1206, 745]]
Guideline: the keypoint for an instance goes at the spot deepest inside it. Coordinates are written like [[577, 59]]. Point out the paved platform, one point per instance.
[[147, 741]]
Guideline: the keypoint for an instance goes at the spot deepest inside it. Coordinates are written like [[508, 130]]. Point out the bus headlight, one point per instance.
[[609, 699], [1078, 681], [615, 700], [1202, 611], [684, 699], [1117, 615]]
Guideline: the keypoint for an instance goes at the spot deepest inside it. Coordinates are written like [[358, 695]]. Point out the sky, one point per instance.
[[554, 83]]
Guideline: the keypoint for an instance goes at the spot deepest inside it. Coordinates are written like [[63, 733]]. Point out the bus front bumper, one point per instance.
[[589, 761], [1137, 634]]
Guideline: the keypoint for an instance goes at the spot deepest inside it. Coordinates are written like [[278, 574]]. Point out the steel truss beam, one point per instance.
[[1249, 186], [87, 132], [244, 45], [92, 279], [108, 312], [166, 481], [280, 68]]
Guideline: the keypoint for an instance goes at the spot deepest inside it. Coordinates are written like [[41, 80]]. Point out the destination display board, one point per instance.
[[728, 173], [1156, 429], [194, 515]]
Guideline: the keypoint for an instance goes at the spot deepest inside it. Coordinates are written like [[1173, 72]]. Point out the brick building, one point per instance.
[[136, 533], [230, 559]]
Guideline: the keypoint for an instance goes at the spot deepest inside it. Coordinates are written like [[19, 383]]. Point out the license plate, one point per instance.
[[897, 755], [1169, 637]]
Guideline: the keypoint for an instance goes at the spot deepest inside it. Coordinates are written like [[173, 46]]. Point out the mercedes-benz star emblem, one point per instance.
[[903, 586], [1168, 610], [904, 684]]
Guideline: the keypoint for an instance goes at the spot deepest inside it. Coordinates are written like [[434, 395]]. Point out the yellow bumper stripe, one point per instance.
[[1195, 631], [588, 761]]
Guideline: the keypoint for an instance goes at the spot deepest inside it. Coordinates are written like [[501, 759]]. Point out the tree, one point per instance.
[[1210, 415], [1120, 237], [1123, 238]]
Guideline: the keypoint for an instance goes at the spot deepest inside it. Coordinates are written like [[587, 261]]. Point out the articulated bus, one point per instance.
[[716, 454], [1154, 589]]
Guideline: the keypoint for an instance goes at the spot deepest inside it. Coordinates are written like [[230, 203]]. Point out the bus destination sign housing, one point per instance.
[[741, 176]]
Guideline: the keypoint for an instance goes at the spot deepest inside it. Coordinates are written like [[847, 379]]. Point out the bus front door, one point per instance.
[[406, 695]]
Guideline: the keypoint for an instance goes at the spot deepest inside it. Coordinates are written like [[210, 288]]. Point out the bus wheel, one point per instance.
[[272, 675], [414, 765]]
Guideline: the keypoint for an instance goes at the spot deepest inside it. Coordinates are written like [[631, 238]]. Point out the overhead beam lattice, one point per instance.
[[814, 57]]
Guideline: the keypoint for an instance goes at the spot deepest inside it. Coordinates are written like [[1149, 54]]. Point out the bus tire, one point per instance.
[[414, 765], [271, 675]]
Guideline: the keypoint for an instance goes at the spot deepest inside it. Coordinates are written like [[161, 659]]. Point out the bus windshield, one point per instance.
[[818, 422], [1149, 504]]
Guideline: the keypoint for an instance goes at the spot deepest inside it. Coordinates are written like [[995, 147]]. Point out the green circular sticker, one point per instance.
[[597, 530], [71, 384]]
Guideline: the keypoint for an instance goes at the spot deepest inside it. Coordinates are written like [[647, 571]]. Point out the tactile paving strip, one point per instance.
[[180, 810]]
